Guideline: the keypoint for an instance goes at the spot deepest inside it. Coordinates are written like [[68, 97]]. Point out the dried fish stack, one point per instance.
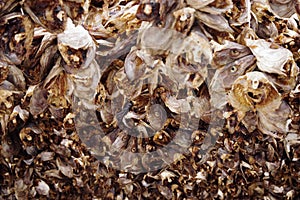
[[157, 99]]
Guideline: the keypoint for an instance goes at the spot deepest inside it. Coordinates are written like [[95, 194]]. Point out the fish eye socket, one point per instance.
[[233, 69], [234, 52]]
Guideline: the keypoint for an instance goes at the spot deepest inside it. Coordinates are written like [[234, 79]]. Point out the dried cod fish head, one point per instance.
[[76, 47], [93, 22], [47, 13], [130, 89], [240, 13], [274, 119], [197, 49], [227, 74], [161, 40], [271, 58], [184, 19], [229, 52], [134, 65], [12, 74], [266, 30], [194, 49], [17, 35], [29, 136], [83, 84], [42, 58], [231, 60], [57, 97], [38, 102], [137, 90], [12, 87], [253, 91], [123, 19], [277, 61], [7, 106], [187, 64], [264, 21], [262, 11], [148, 11], [215, 21], [288, 81], [157, 116], [76, 9], [162, 138], [8, 98]]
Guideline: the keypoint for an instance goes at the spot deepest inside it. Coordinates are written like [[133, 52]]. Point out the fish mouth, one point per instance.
[[255, 96]]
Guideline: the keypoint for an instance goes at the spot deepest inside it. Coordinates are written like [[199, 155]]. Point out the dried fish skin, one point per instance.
[[218, 7], [6, 6], [216, 22], [76, 47], [17, 35], [199, 4], [283, 8]]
